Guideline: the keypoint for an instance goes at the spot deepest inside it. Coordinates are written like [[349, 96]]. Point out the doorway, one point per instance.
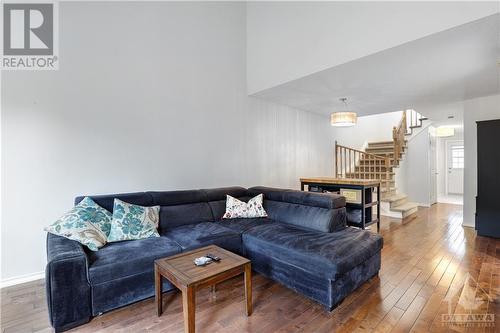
[[452, 171], [455, 168]]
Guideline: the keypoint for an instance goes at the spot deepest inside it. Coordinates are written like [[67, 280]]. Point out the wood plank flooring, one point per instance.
[[431, 266]]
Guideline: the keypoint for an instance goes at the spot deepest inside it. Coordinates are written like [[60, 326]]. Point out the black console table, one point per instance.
[[359, 210]]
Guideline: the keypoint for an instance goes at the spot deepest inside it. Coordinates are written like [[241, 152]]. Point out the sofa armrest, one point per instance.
[[66, 282]]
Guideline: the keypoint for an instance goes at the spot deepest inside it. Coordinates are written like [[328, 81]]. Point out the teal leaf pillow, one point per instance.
[[133, 222], [96, 214], [86, 223]]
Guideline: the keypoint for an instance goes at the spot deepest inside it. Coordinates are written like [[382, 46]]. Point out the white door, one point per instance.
[[433, 169], [455, 166]]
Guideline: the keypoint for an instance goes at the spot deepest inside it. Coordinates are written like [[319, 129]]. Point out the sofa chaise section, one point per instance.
[[324, 266]]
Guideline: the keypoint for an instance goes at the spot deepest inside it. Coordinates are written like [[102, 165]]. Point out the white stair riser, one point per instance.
[[385, 210]]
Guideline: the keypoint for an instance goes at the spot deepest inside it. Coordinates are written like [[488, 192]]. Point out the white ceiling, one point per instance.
[[446, 67]]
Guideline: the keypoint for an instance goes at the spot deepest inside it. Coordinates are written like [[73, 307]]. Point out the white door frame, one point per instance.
[[448, 143]]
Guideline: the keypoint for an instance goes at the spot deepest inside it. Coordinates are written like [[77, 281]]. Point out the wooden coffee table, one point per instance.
[[185, 275]]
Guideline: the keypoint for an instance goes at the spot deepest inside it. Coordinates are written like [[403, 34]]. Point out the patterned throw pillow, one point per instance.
[[86, 223], [239, 209], [97, 215], [133, 221]]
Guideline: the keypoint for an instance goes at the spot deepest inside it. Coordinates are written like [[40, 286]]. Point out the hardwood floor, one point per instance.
[[430, 266]]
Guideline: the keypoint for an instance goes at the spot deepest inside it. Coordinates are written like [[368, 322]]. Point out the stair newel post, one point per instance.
[[355, 175], [365, 164], [345, 162], [356, 172], [370, 166], [387, 163], [350, 164], [379, 169], [336, 160], [395, 139], [369, 160], [374, 167]]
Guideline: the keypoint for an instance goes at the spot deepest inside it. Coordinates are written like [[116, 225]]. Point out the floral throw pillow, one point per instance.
[[86, 223], [96, 214], [133, 221], [238, 209]]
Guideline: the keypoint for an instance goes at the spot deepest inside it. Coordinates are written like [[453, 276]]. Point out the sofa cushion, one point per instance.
[[182, 207], [192, 236], [216, 194], [313, 199], [245, 224], [121, 259], [328, 254], [309, 217], [217, 198], [173, 198]]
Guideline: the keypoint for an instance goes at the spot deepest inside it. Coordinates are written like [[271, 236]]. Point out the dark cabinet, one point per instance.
[[488, 178]]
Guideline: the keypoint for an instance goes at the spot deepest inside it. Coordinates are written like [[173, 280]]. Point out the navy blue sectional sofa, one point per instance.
[[304, 244]]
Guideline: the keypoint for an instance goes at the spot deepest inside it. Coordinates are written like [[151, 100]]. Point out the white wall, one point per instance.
[[289, 40], [413, 174], [368, 128], [149, 96], [484, 108]]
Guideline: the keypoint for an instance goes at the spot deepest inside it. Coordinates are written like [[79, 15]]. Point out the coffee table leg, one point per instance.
[[248, 288], [158, 291], [188, 305], [212, 290]]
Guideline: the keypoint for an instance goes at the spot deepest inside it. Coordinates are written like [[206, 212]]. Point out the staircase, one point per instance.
[[378, 161]]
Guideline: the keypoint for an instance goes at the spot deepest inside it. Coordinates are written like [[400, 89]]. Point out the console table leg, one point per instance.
[[158, 292], [248, 289], [188, 306]]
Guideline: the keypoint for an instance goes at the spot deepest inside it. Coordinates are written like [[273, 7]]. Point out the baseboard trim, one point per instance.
[[467, 225], [21, 279]]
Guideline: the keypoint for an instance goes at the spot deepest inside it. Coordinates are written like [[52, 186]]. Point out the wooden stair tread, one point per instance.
[[395, 197], [405, 207], [382, 143], [372, 173], [385, 153], [383, 146]]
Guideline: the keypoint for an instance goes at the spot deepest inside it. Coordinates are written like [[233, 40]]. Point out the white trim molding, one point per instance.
[[21, 279]]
